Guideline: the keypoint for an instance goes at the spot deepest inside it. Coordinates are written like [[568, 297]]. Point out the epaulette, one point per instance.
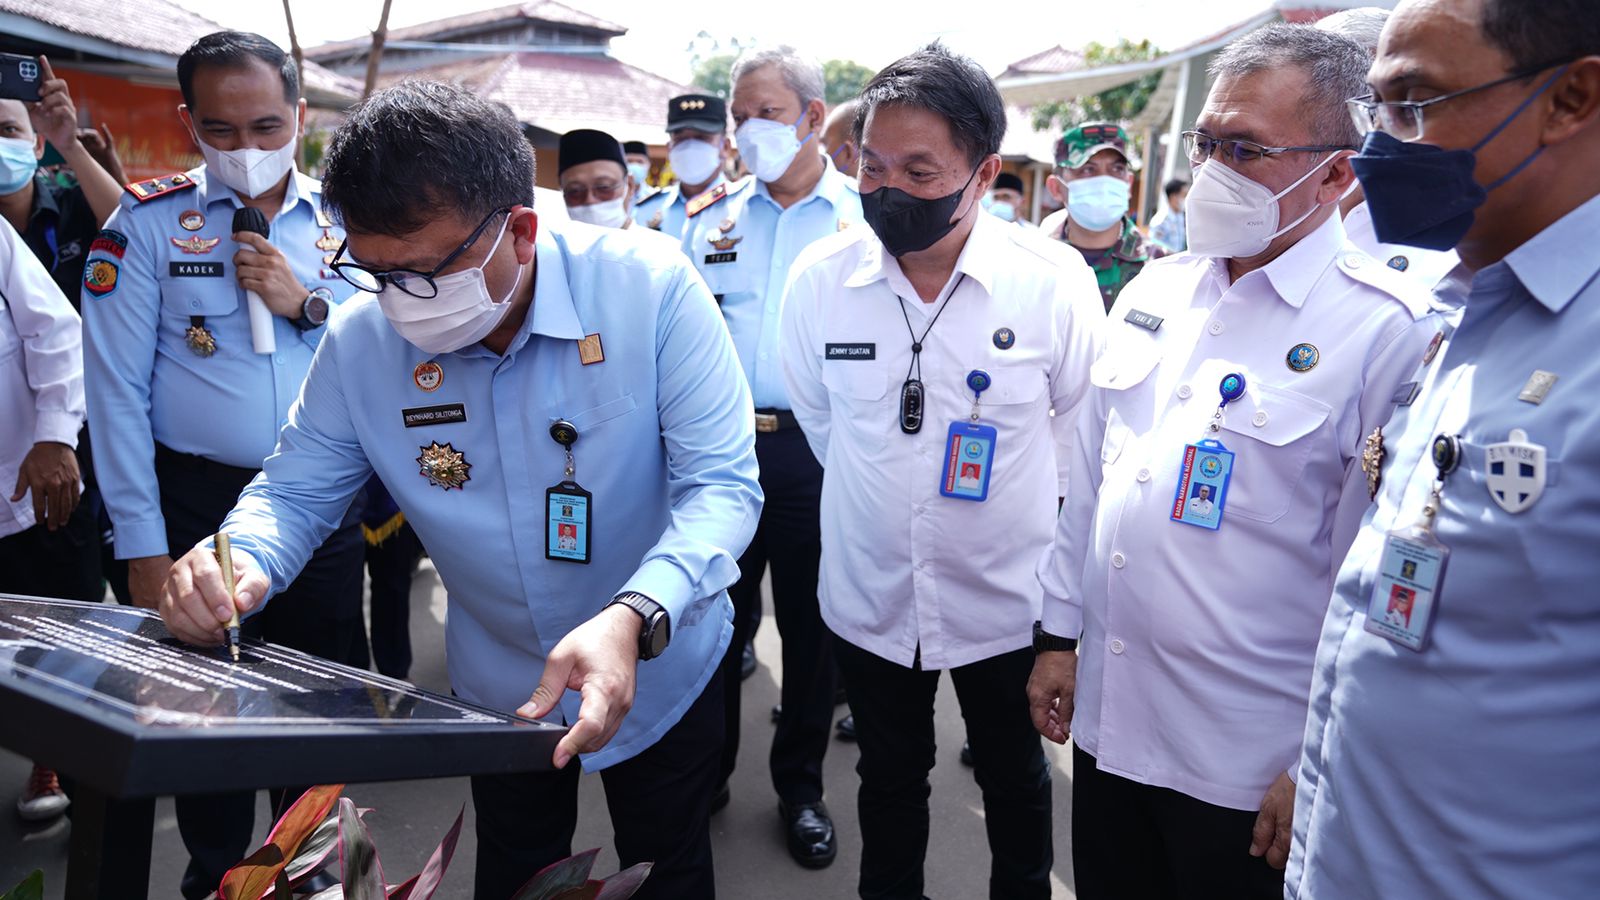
[[657, 192], [1358, 266], [157, 187], [697, 205]]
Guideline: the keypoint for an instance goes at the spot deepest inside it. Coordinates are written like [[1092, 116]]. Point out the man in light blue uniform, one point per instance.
[[184, 406], [1450, 748], [697, 147], [562, 420], [744, 238]]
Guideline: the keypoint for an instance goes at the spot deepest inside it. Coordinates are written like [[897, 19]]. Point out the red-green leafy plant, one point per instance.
[[569, 880], [31, 888]]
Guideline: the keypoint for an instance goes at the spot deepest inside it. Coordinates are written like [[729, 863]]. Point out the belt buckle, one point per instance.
[[766, 422]]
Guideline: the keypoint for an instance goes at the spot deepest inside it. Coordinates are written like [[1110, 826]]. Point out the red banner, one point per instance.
[[143, 119]]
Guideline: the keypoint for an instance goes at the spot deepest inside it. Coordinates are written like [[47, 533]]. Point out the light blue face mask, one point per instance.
[[17, 164]]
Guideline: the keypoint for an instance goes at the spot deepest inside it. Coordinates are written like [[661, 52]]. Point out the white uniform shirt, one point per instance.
[[41, 370], [904, 567], [1428, 267], [1197, 645]]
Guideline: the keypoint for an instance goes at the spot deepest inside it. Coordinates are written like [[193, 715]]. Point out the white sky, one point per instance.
[[872, 34]]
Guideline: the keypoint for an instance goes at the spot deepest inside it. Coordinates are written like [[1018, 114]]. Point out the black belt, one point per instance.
[[769, 420], [188, 462]]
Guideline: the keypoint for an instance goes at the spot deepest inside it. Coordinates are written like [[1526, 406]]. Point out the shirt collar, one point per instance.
[[302, 187], [554, 314], [977, 260], [44, 199], [1298, 269], [830, 187], [1547, 266]]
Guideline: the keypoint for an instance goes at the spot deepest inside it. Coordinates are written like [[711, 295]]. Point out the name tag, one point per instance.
[[434, 415], [1143, 319], [714, 258], [194, 269], [968, 461], [1203, 485], [850, 351]]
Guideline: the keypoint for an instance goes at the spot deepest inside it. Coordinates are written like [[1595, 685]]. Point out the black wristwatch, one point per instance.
[[655, 633], [1044, 641], [314, 311]]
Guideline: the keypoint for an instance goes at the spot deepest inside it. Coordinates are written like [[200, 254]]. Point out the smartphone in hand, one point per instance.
[[20, 77]]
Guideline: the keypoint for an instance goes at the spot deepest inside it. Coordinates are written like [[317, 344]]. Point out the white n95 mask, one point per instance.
[[606, 213], [461, 314], [768, 147], [249, 171], [1232, 217], [694, 161]]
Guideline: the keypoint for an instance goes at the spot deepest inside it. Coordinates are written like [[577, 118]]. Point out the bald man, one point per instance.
[[836, 138]]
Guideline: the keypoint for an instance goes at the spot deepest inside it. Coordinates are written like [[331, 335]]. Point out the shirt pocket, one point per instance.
[[1271, 459], [593, 417], [1119, 372], [725, 279], [199, 296], [858, 394], [1013, 402]]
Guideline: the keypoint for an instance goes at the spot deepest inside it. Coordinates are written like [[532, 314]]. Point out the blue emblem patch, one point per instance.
[[1399, 263], [1303, 357], [1004, 338]]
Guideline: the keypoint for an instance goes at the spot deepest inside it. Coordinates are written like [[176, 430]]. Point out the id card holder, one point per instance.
[[1406, 592], [567, 517], [1202, 484], [968, 461]]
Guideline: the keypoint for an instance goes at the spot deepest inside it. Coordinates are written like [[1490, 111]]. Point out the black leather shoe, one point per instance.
[[845, 729], [966, 754], [810, 833], [720, 799], [777, 712], [747, 660]]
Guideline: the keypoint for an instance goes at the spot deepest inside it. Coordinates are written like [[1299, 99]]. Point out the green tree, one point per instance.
[[1116, 105], [711, 73], [844, 79]]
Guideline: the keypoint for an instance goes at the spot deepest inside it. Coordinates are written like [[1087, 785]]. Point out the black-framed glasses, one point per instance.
[[417, 284], [1402, 119], [1200, 147]]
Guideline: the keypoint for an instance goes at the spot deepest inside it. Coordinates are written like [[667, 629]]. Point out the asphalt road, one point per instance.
[[409, 818]]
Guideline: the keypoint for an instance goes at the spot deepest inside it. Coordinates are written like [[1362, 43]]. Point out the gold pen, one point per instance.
[[225, 559]]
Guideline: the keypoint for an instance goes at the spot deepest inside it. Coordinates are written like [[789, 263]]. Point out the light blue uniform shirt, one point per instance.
[[665, 210], [666, 446], [1468, 770], [143, 381], [748, 278]]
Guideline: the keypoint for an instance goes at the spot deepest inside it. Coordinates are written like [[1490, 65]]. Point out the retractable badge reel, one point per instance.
[[1207, 467], [969, 449], [568, 507], [1405, 594]]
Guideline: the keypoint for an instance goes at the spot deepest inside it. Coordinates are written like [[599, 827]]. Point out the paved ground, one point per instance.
[[752, 863]]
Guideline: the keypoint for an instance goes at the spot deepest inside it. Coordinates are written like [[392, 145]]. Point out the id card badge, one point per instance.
[[1203, 484], [968, 461], [1407, 589], [567, 510]]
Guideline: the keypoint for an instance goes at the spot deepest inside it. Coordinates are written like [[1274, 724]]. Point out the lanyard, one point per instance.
[[911, 393]]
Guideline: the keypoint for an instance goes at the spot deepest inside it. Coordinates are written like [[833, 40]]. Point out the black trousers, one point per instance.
[[660, 804], [319, 613], [391, 564], [1132, 840], [893, 706], [64, 563], [789, 539]]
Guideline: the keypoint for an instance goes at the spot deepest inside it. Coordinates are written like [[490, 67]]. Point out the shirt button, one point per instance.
[[763, 356], [1353, 261], [194, 304], [277, 359], [1216, 328], [1118, 560], [1260, 418], [1184, 391], [1144, 474], [1118, 646]]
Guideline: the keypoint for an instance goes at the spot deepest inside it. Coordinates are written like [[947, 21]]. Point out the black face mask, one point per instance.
[[908, 224]]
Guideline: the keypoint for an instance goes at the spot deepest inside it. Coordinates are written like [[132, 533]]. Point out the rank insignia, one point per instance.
[[200, 340], [428, 375], [1004, 338], [1302, 357], [192, 220], [444, 465], [1399, 263], [1372, 455], [196, 245], [697, 205], [655, 221], [1433, 347], [100, 277], [590, 350], [328, 243], [726, 225], [157, 187], [724, 243], [1538, 387]]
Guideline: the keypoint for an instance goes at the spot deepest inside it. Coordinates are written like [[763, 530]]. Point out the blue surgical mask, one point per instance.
[[17, 164], [1097, 203], [1423, 195], [1004, 210]]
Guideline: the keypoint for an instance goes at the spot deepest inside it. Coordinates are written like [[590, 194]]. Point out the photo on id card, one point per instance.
[[1405, 592]]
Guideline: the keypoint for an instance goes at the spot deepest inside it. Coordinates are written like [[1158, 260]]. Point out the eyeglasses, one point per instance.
[[1201, 147], [578, 194], [1402, 119], [417, 284]]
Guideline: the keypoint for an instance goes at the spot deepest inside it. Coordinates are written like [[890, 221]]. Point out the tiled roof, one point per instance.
[[158, 26], [1054, 61], [559, 91], [535, 10]]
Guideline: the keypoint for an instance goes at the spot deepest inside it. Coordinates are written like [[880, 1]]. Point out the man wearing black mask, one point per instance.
[[912, 350]]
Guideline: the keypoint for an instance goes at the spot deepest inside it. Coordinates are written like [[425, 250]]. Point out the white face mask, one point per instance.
[[1097, 203], [694, 161], [606, 213], [460, 315], [768, 147], [640, 172], [249, 171], [1004, 210], [1230, 216]]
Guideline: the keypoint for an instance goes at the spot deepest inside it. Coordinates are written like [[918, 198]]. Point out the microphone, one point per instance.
[[261, 334]]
